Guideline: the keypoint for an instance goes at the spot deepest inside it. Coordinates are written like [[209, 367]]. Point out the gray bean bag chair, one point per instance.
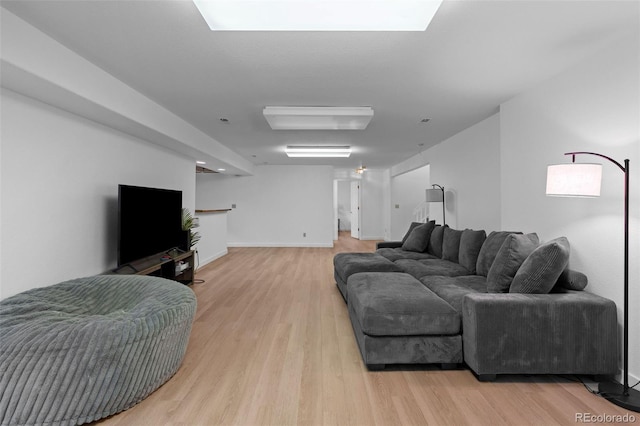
[[88, 348]]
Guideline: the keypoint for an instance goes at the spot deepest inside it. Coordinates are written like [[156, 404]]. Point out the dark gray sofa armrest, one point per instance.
[[389, 244], [572, 332]]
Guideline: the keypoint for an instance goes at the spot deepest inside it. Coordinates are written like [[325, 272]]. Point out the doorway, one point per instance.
[[355, 209], [344, 205]]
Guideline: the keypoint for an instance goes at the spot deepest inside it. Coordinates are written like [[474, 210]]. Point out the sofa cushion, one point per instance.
[[394, 254], [572, 280], [453, 289], [346, 264], [435, 242], [395, 304], [419, 237], [470, 244], [489, 250], [411, 228], [421, 268], [451, 244], [540, 271], [515, 249]]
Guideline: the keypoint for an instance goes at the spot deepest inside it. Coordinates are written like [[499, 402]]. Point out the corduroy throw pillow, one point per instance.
[[513, 252], [419, 238], [540, 271]]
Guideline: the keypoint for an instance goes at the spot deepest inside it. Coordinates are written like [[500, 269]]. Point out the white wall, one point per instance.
[[275, 206], [213, 236], [407, 193], [373, 204], [593, 106], [60, 176], [468, 166]]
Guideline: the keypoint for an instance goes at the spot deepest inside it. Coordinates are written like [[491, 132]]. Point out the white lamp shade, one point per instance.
[[434, 195], [574, 180]]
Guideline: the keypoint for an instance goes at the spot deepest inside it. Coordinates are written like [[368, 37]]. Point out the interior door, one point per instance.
[[355, 209]]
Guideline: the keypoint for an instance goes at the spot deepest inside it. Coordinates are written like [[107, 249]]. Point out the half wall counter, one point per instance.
[[213, 232]]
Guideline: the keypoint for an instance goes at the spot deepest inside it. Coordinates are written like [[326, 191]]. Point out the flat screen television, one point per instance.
[[149, 221]]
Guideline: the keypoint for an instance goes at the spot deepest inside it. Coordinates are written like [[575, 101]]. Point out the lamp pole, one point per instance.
[[621, 395], [444, 222]]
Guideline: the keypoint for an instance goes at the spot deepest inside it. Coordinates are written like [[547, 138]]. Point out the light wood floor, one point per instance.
[[272, 345]]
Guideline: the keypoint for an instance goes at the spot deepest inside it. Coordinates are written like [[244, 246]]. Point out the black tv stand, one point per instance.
[[122, 269], [167, 264]]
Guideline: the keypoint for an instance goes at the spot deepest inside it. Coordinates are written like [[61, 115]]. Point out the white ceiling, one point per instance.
[[474, 56]]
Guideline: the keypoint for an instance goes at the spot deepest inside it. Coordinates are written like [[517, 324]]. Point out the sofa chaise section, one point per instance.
[[347, 264], [396, 320]]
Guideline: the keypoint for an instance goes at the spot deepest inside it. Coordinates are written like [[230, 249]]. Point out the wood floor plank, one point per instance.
[[272, 344]]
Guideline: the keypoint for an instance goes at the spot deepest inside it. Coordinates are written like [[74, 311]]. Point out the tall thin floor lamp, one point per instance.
[[583, 180], [436, 195]]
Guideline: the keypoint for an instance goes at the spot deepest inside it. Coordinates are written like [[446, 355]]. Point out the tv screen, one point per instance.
[[150, 221]]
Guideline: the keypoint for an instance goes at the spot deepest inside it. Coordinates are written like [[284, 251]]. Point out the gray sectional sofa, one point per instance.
[[502, 303]]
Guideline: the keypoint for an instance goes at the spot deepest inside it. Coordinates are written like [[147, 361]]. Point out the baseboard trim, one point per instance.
[[633, 379], [212, 258], [367, 238], [320, 245]]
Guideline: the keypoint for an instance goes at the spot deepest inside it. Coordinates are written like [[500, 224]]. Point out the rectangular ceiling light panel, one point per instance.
[[318, 15], [318, 151], [318, 118]]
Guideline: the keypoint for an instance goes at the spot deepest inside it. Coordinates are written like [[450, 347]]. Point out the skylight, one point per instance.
[[318, 15]]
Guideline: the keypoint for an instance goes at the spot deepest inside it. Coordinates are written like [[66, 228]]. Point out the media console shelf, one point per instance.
[[165, 265]]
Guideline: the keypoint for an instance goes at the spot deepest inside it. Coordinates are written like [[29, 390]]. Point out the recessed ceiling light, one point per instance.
[[200, 162], [318, 15], [224, 120], [222, 170], [318, 151], [317, 118], [425, 120]]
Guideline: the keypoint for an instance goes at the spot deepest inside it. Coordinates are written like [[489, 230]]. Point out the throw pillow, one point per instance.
[[419, 238], [489, 251], [411, 228], [451, 244], [572, 280], [470, 245], [512, 253], [435, 242], [540, 271]]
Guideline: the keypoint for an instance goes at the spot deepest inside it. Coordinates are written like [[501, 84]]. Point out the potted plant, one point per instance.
[[188, 223]]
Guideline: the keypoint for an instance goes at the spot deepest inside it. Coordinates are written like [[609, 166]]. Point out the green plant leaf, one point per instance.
[[187, 220]]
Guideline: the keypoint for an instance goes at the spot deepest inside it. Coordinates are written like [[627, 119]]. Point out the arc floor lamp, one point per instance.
[[436, 195], [583, 180]]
